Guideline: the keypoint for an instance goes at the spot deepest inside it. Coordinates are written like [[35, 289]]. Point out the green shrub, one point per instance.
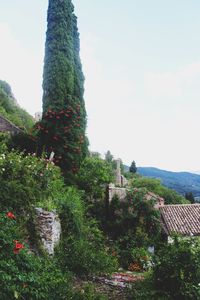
[[141, 258], [177, 270], [83, 247], [4, 138], [93, 176], [24, 275], [132, 223], [145, 290], [10, 110], [27, 182], [155, 186], [89, 293], [23, 142]]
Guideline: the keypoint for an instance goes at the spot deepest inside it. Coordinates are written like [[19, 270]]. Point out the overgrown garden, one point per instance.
[[49, 166]]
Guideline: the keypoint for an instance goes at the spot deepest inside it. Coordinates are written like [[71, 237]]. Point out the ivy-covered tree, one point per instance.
[[62, 128]]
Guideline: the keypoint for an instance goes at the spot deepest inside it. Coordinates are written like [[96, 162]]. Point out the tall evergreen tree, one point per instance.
[[62, 128], [133, 168]]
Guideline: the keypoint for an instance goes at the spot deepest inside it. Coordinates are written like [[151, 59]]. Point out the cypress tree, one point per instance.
[[133, 168], [62, 128]]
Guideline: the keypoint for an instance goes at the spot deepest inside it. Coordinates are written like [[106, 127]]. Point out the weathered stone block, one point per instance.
[[49, 229]]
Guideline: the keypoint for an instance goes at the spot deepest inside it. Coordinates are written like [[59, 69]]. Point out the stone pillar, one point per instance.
[[49, 229], [118, 174]]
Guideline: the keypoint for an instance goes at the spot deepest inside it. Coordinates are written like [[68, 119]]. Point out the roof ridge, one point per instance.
[[184, 204], [10, 122]]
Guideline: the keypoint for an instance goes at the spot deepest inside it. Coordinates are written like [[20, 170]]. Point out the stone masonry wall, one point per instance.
[[120, 192], [49, 229]]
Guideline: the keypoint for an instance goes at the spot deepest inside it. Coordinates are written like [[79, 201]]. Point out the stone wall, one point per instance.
[[121, 193], [7, 126], [113, 190], [49, 229]]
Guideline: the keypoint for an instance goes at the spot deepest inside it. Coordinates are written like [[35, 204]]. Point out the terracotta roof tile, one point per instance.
[[181, 218]]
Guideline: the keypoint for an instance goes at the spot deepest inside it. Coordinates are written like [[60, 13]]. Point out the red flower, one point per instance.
[[18, 247], [10, 215]]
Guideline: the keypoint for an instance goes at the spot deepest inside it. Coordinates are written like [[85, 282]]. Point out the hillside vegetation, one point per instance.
[[52, 169], [10, 110], [181, 182]]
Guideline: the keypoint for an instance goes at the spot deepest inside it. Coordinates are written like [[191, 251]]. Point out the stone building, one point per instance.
[[183, 219], [7, 126], [120, 180]]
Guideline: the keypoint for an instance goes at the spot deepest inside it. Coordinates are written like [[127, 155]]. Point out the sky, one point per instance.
[[141, 61]]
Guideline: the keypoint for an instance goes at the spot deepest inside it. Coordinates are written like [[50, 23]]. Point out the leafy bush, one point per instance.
[[24, 275], [145, 289], [155, 186], [10, 110], [93, 176], [141, 259], [82, 249], [28, 181], [133, 223], [89, 293], [23, 142], [177, 270], [4, 138]]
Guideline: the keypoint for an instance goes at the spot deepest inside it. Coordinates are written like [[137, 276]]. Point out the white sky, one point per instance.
[[141, 60]]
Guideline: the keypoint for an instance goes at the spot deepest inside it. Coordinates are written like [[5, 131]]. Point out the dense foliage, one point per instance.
[[96, 235], [83, 247], [10, 110], [62, 129], [93, 176], [155, 186], [23, 275], [177, 270], [28, 181], [133, 224]]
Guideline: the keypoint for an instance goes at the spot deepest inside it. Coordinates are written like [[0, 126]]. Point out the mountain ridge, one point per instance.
[[182, 182]]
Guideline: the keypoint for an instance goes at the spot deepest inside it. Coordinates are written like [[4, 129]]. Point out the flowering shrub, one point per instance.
[[24, 275], [27, 181], [10, 215], [134, 267], [141, 260]]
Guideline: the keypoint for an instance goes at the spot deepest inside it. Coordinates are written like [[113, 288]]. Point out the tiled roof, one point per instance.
[[181, 218]]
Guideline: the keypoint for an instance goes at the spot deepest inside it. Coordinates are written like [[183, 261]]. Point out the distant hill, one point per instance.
[[10, 109], [181, 182]]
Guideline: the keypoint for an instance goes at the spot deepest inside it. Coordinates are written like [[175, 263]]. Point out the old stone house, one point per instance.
[[7, 126], [183, 219]]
